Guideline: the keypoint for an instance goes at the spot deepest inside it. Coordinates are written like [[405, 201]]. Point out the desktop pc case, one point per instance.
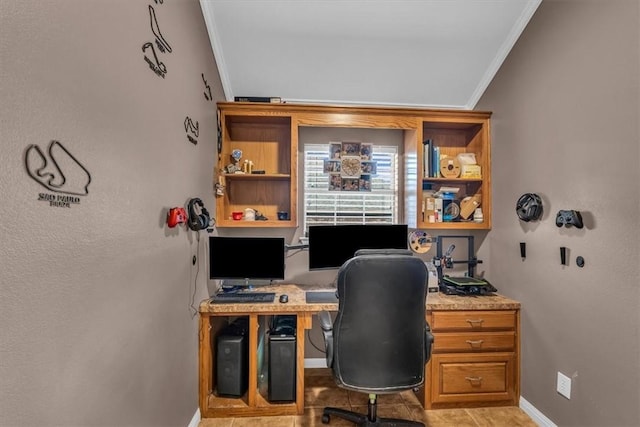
[[282, 359], [232, 359]]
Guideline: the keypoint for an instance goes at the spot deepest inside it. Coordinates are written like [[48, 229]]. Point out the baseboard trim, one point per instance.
[[196, 419], [537, 416], [315, 363]]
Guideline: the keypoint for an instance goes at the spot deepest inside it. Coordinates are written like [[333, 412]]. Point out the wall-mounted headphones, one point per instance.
[[199, 218], [529, 207]]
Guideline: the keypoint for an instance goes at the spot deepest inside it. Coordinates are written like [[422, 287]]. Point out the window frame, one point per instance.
[[371, 204]]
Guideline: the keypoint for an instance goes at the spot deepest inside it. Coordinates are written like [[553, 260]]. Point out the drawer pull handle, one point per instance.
[[476, 322], [475, 381], [475, 343]]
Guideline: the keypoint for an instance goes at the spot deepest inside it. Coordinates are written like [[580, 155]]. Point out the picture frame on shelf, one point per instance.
[[351, 149], [335, 182], [365, 183], [350, 184], [366, 151], [335, 150], [369, 168], [331, 166]]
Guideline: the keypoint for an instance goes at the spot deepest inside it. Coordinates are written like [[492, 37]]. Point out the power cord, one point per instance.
[[312, 343], [196, 261]]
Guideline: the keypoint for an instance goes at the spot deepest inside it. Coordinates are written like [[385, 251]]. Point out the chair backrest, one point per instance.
[[379, 332]]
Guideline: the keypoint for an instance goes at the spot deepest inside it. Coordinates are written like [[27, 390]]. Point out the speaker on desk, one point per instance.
[[282, 359], [232, 362]]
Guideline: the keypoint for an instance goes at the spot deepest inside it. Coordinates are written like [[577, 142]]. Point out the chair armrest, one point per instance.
[[325, 321], [327, 331], [428, 342]]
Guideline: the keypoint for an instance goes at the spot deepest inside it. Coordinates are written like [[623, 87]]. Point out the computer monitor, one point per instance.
[[331, 245], [246, 258]]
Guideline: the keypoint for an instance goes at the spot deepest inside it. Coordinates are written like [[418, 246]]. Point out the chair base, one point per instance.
[[362, 420]]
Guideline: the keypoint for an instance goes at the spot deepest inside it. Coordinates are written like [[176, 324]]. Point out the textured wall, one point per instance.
[[97, 324], [566, 126]]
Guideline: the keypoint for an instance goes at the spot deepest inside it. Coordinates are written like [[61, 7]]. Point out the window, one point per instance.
[[378, 206]]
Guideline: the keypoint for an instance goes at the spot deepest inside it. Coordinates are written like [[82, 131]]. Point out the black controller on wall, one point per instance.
[[569, 218]]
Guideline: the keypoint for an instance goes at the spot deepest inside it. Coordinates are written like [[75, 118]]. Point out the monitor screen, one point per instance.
[[331, 245], [246, 257]]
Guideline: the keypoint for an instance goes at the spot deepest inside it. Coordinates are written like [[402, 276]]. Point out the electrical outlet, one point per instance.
[[564, 385]]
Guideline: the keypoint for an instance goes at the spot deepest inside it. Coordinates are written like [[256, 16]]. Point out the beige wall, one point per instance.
[[565, 125], [96, 321]]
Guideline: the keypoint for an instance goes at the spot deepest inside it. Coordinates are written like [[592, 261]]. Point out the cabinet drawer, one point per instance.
[[474, 320], [473, 378], [445, 342]]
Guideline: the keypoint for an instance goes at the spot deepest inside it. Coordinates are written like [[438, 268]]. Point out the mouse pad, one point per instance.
[[321, 296]]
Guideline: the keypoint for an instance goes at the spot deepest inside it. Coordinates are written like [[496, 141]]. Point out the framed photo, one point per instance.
[[365, 183], [350, 184], [350, 167], [366, 151], [335, 150], [335, 182], [351, 149], [331, 166], [369, 168]]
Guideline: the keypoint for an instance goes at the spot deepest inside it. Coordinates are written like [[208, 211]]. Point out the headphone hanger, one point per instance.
[[199, 218], [529, 207]]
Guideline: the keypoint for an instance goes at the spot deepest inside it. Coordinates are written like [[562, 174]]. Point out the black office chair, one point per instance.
[[380, 340]]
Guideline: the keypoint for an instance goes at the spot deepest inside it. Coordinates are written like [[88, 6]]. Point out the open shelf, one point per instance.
[[265, 140]]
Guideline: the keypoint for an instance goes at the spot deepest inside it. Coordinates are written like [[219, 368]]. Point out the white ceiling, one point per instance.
[[423, 53]]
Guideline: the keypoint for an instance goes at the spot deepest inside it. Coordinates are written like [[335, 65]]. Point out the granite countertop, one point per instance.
[[440, 301], [297, 303]]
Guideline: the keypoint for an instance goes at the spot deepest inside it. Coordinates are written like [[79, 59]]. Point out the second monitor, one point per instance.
[[331, 245]]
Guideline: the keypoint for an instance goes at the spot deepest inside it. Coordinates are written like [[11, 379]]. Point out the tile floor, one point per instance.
[[321, 390]]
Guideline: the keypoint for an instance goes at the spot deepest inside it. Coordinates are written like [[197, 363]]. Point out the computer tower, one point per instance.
[[232, 361], [282, 368], [282, 360]]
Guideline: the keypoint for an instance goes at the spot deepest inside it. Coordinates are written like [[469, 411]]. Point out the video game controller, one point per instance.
[[569, 218], [176, 216]]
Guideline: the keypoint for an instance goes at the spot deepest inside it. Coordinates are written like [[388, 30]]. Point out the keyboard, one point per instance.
[[243, 297]]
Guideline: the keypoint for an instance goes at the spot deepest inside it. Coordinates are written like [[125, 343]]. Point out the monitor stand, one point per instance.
[[245, 283]]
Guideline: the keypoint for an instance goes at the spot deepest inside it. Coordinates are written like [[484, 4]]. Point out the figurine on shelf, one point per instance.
[[260, 216], [247, 166], [234, 167], [219, 187]]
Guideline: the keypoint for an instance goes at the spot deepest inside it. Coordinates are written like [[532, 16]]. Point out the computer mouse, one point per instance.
[[284, 298]]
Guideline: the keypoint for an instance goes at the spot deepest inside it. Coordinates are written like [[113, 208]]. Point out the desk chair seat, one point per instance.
[[380, 341]]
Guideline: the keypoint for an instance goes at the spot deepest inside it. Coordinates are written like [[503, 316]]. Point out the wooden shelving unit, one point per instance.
[[267, 139], [267, 134]]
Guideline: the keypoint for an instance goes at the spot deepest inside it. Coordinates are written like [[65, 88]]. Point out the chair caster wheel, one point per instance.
[[325, 419]]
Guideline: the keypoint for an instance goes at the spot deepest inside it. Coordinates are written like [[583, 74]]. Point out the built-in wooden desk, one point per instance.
[[475, 360]]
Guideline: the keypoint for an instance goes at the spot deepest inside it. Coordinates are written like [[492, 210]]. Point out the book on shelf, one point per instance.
[[426, 158], [267, 99], [435, 162], [430, 159]]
